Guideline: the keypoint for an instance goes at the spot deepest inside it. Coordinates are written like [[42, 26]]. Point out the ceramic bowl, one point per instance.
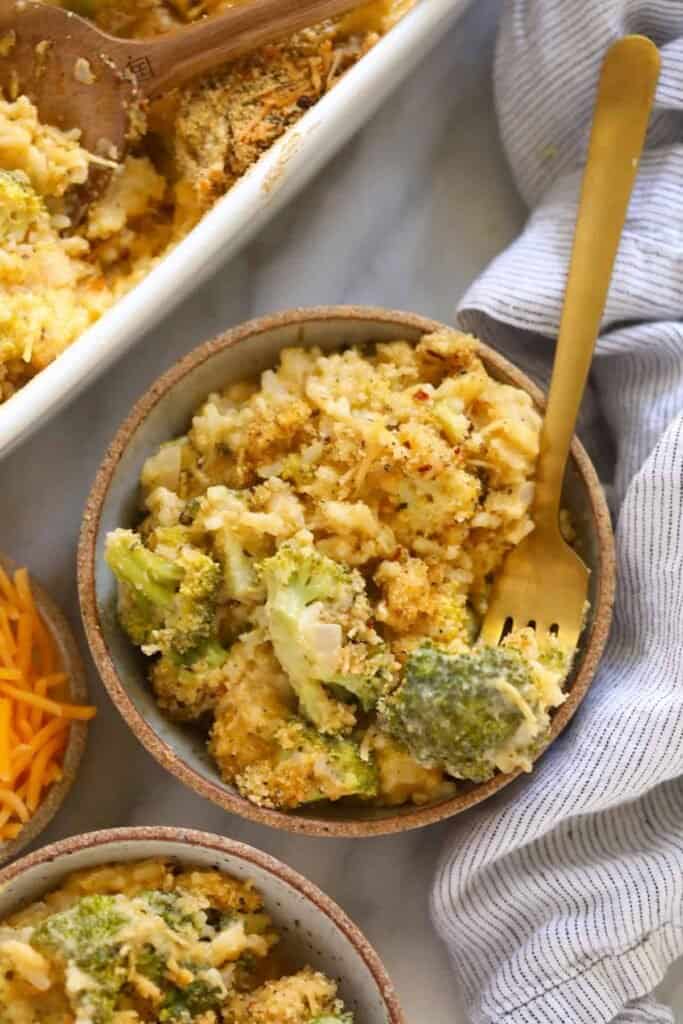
[[316, 931], [78, 694], [164, 412]]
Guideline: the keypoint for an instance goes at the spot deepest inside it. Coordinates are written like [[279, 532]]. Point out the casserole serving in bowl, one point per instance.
[[72, 293], [96, 925], [406, 503]]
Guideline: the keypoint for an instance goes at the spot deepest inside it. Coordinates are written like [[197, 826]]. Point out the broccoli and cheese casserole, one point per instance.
[[152, 941], [56, 277], [312, 566]]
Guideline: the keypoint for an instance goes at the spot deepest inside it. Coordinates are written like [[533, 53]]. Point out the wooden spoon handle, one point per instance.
[[168, 61], [625, 95]]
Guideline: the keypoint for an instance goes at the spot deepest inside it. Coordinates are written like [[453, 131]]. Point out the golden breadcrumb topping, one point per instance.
[[58, 277]]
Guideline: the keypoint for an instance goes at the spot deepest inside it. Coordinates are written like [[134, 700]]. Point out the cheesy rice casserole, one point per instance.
[[56, 278], [312, 565], [152, 941]]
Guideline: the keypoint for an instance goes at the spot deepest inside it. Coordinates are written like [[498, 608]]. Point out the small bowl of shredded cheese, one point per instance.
[[43, 710]]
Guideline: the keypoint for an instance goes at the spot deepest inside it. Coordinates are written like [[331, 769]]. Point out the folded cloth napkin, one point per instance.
[[561, 899]]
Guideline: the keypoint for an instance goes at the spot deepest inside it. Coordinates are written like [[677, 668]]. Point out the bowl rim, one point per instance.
[[220, 794], [192, 838], [65, 641]]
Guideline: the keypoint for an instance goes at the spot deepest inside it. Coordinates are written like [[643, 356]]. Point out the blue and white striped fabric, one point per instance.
[[561, 900]]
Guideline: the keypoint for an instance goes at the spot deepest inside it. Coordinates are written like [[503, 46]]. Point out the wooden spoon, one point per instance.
[[81, 77]]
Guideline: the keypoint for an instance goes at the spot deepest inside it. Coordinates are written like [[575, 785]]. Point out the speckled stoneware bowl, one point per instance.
[[314, 929], [164, 412], [78, 694]]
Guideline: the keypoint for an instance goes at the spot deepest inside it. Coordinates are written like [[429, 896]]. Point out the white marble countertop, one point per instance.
[[406, 216]]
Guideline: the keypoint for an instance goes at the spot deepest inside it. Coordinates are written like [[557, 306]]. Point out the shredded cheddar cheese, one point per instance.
[[34, 719]]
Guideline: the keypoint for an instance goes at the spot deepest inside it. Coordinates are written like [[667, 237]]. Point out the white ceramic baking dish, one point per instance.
[[267, 186]]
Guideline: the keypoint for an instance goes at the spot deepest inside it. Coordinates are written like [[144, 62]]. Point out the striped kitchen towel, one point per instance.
[[561, 899]]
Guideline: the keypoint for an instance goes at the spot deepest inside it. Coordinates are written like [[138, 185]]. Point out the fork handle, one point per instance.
[[168, 61], [624, 99]]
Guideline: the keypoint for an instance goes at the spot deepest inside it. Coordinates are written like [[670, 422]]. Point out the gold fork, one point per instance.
[[543, 581]]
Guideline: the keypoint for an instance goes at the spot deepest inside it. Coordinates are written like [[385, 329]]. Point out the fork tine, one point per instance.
[[492, 630]]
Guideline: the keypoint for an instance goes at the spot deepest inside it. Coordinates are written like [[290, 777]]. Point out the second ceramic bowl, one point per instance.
[[315, 930], [165, 412]]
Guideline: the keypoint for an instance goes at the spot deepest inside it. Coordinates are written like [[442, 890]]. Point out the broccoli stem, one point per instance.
[[150, 575], [214, 654]]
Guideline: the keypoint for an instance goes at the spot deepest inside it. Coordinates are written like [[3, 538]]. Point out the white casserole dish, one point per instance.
[[267, 186]]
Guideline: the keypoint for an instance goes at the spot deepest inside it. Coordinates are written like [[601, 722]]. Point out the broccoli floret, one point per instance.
[[20, 205], [309, 767], [169, 541], [166, 605], [87, 936], [180, 911], [151, 964], [367, 690], [109, 973], [184, 1005], [76, 932], [309, 596], [187, 688], [370, 673], [468, 713]]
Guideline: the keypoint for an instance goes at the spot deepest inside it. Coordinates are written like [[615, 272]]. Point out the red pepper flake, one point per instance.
[[421, 395], [423, 469]]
